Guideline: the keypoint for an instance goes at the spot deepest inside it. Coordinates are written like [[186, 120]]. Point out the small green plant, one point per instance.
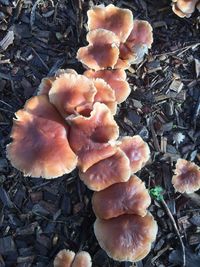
[[157, 193]]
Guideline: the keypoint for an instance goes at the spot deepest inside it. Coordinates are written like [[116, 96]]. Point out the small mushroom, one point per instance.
[[116, 79], [40, 145], [127, 237], [82, 259], [90, 136], [187, 177], [102, 51], [130, 197], [70, 92], [112, 18], [136, 150], [114, 169], [184, 8], [64, 258]]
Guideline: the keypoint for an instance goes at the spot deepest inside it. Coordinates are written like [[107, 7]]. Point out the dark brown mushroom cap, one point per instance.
[[82, 259], [187, 176], [116, 79], [130, 197], [112, 18], [40, 141], [71, 91], [114, 169], [89, 136], [127, 237], [136, 150], [102, 51], [64, 258]]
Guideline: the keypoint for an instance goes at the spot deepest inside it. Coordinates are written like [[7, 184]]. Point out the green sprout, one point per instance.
[[157, 193]]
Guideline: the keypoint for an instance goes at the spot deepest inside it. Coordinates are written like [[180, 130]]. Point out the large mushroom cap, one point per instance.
[[71, 91], [116, 79], [102, 51], [82, 259], [130, 197], [112, 18], [187, 177], [40, 141], [127, 237], [107, 172], [136, 150], [64, 258], [90, 136]]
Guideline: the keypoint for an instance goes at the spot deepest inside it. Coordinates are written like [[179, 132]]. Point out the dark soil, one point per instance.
[[40, 217]]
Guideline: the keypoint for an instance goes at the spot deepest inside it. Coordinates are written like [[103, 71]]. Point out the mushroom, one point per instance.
[[64, 258], [112, 18], [114, 169], [187, 177], [116, 79], [136, 150], [130, 197], [184, 8], [70, 92], [90, 136], [102, 51], [127, 237], [40, 141], [82, 259]]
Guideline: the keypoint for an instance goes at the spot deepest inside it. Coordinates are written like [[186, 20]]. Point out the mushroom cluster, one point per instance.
[[185, 8], [71, 122]]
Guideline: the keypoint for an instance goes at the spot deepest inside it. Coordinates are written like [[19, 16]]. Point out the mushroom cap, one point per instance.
[[130, 197], [71, 91], [187, 176], [114, 169], [112, 18], [82, 259], [136, 150], [116, 79], [179, 12], [64, 258], [102, 51], [186, 6], [127, 237], [89, 136], [40, 141]]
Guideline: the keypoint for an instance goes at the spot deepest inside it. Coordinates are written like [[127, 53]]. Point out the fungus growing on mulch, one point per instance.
[[67, 258], [187, 177], [184, 8]]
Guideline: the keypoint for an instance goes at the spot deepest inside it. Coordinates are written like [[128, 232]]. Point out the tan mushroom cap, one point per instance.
[[186, 6], [127, 237], [130, 197], [71, 91], [136, 150], [187, 176], [116, 79], [178, 12], [102, 51], [112, 18], [90, 136], [64, 258], [114, 169], [40, 145], [82, 259]]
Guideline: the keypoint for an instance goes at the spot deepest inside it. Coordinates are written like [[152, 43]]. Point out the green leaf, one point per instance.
[[157, 193]]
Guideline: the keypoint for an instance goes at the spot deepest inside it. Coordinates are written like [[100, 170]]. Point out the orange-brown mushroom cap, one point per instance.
[[130, 197], [136, 150], [71, 91], [187, 176], [40, 141], [127, 237], [102, 51], [116, 79], [64, 258], [114, 169], [89, 136], [82, 259]]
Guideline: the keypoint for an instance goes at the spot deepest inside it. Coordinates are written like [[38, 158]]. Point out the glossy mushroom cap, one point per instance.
[[64, 258], [102, 51], [71, 91], [40, 145], [130, 197], [127, 237], [116, 79], [184, 8], [82, 259], [136, 150], [90, 136], [114, 169], [187, 177], [112, 18]]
